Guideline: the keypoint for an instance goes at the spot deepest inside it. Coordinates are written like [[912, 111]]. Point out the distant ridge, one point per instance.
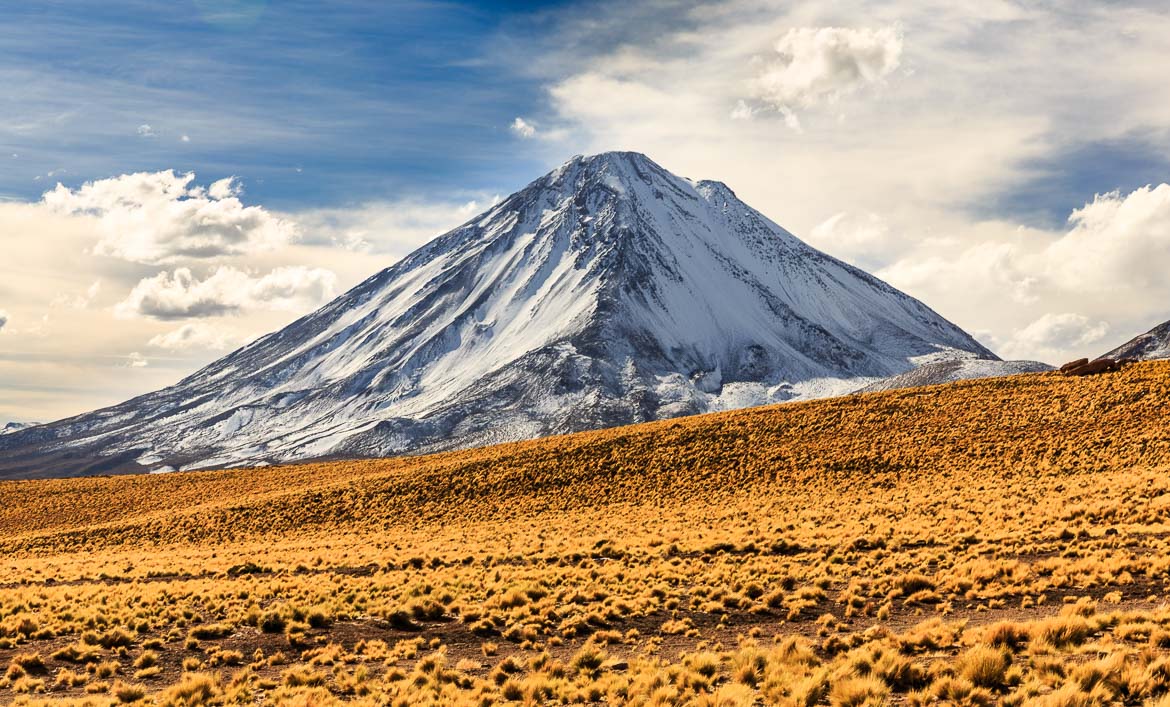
[[956, 370], [1154, 344]]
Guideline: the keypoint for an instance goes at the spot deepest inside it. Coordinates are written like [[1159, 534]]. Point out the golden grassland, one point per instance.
[[1000, 541]]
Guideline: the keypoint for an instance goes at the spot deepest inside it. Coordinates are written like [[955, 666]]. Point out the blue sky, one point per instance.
[[1079, 172], [363, 98], [180, 178]]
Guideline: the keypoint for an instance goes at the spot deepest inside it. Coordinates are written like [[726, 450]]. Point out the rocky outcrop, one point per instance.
[[1085, 367]]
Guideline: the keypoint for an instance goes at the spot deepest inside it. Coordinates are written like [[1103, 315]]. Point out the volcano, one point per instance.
[[604, 293]]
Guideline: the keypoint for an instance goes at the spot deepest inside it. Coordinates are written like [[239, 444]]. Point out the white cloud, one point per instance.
[[674, 99], [817, 65], [224, 188], [1117, 243], [227, 290], [184, 138], [523, 128], [1108, 267], [194, 336], [157, 217], [136, 360], [1050, 336], [145, 130], [293, 289], [181, 295]]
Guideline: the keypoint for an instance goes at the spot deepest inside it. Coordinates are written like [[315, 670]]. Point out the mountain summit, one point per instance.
[[607, 292]]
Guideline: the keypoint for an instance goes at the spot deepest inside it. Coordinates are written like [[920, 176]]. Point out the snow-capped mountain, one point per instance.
[[607, 292], [1154, 344]]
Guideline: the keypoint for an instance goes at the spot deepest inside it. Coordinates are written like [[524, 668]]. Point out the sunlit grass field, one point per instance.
[[1000, 541]]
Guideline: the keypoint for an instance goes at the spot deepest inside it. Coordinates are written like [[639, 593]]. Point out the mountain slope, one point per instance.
[[1154, 344], [607, 292], [955, 370]]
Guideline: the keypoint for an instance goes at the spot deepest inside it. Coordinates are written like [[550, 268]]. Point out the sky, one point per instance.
[[181, 178]]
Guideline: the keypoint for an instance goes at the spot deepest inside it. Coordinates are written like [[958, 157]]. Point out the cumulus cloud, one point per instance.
[[523, 128], [816, 65], [1117, 242], [180, 295], [1115, 249], [145, 130], [159, 217], [136, 360], [195, 336]]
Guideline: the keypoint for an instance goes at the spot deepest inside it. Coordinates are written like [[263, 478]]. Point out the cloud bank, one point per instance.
[[1076, 292]]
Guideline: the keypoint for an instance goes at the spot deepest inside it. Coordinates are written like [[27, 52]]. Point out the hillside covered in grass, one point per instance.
[[990, 541]]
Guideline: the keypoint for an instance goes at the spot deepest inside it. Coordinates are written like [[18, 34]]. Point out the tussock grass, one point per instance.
[[987, 542]]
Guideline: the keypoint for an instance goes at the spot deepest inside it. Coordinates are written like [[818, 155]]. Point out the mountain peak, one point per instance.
[[620, 159], [619, 170], [612, 168], [607, 292]]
